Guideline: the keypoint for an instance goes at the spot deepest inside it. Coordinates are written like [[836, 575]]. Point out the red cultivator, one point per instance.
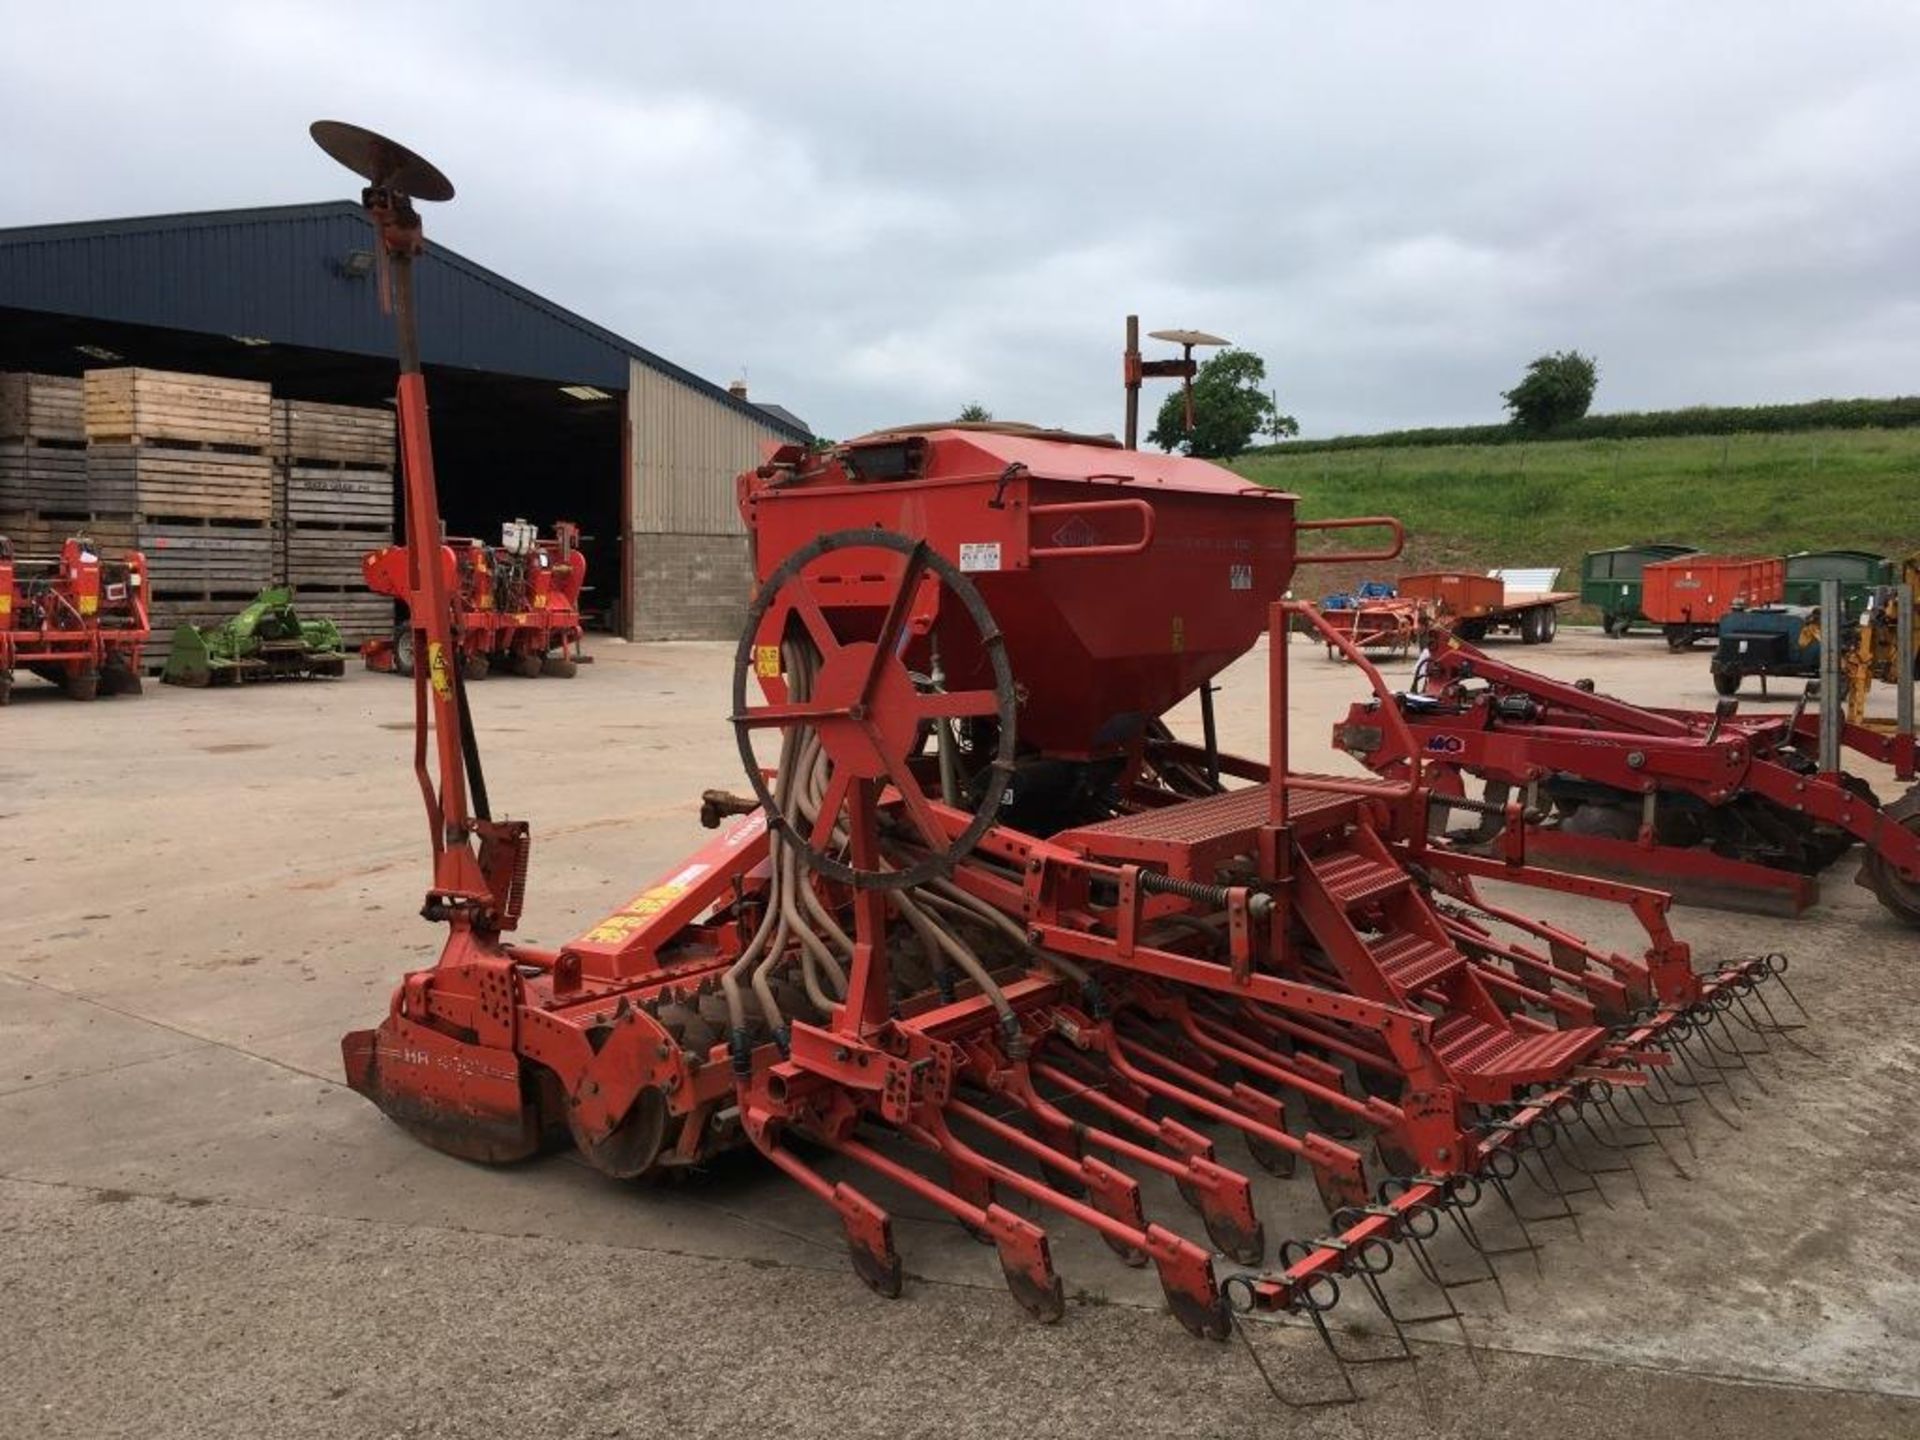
[[987, 936], [517, 604], [73, 619], [1723, 808]]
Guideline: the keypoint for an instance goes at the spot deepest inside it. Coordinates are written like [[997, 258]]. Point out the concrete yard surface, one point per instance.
[[204, 1233]]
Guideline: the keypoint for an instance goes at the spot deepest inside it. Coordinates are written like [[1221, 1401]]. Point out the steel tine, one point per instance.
[[1653, 1128], [1464, 1224], [1625, 1155], [1737, 1054], [1679, 1112], [1593, 1186], [1528, 1243], [1452, 1313], [1699, 1087], [1351, 1397], [1780, 979], [1372, 1283], [1785, 1031], [1722, 1075], [1570, 1214]]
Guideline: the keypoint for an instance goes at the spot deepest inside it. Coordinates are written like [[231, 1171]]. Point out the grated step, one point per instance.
[[1511, 1057], [1355, 879], [1413, 962]]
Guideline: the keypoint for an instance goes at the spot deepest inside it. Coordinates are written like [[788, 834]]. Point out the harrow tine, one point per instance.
[[1528, 1245], [1463, 1223], [1552, 1182], [1747, 1019], [1785, 1031], [1717, 1015], [1776, 968], [1348, 1396], [1694, 1083], [1626, 1156], [1654, 1128], [1560, 1141]]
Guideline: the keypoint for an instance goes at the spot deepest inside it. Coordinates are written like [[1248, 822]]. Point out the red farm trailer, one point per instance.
[[1688, 596], [516, 604], [73, 618], [1519, 602]]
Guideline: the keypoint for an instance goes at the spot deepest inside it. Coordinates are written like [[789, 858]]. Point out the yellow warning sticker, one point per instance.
[[89, 604], [766, 661], [540, 600], [6, 603], [437, 672], [642, 908]]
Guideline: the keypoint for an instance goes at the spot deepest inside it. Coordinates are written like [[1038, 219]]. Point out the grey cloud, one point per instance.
[[885, 211]]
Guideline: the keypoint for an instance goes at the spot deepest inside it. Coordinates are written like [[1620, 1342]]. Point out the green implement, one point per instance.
[[265, 641]]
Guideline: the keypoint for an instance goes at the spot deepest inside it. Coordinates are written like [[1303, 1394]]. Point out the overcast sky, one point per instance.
[[881, 212]]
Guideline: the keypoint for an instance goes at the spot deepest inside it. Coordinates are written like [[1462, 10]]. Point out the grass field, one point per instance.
[[1548, 503]]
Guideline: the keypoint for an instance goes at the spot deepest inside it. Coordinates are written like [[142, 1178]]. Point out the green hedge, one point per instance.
[[1894, 414]]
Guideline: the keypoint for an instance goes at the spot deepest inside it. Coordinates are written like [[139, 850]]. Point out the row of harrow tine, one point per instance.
[[1539, 1140]]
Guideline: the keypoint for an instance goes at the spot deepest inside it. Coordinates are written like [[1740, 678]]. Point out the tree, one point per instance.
[[975, 414], [1556, 389], [1229, 409]]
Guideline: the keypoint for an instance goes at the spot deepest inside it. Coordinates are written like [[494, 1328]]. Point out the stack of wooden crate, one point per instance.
[[187, 458], [43, 462], [333, 488]]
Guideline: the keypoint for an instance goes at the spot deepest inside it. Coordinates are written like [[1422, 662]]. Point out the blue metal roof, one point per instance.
[[277, 274]]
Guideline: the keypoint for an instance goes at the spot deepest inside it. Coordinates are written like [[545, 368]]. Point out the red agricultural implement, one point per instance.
[[1720, 808], [987, 936], [74, 619], [516, 604], [1389, 625], [1481, 605]]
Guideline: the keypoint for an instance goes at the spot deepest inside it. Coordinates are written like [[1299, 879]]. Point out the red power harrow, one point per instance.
[[74, 619], [987, 937], [517, 604], [1719, 807]]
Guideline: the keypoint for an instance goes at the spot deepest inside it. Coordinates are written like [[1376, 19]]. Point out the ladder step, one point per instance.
[[1474, 1048], [1413, 962], [1355, 879]]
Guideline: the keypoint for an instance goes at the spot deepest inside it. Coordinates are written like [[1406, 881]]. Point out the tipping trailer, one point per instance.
[[1610, 581], [1687, 597]]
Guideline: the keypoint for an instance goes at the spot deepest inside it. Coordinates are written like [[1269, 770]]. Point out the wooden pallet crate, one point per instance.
[[41, 407], [156, 480], [329, 557], [145, 405], [351, 499], [207, 560], [308, 432], [43, 475]]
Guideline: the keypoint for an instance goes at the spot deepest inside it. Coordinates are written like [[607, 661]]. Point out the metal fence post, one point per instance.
[[1831, 697], [1903, 664]]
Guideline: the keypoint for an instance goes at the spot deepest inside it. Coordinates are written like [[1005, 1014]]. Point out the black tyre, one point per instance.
[[474, 667], [82, 685], [561, 667], [403, 648]]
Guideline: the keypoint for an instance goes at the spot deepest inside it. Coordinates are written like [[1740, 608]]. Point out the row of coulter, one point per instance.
[[223, 487]]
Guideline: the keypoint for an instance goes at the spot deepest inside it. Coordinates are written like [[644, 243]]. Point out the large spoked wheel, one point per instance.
[[865, 706]]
